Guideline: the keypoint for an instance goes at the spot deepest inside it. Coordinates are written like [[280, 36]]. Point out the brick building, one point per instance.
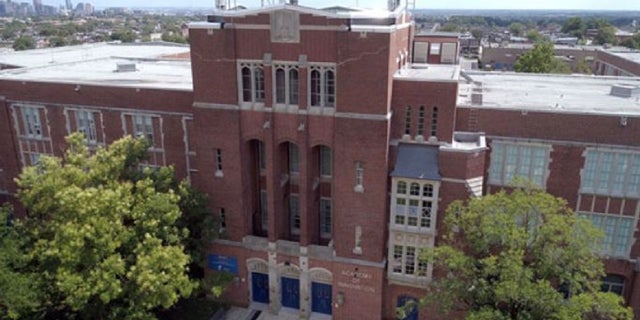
[[329, 152]]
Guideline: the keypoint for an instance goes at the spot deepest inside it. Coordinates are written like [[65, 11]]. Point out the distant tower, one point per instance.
[[37, 6], [69, 5], [225, 4]]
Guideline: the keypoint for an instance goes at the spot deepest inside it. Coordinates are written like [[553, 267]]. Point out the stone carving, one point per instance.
[[285, 26]]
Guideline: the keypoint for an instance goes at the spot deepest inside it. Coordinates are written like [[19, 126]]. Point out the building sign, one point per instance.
[[223, 263], [357, 280]]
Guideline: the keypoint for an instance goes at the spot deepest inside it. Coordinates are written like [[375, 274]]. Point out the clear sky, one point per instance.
[[432, 4]]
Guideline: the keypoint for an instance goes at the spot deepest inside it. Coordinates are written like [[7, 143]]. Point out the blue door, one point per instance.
[[260, 287], [410, 307], [290, 293], [321, 298]]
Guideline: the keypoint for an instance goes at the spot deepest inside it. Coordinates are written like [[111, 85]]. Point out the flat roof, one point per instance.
[[628, 55], [49, 56], [549, 93], [429, 72], [154, 74]]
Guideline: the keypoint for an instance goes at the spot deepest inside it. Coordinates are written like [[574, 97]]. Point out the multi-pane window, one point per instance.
[[325, 217], [262, 164], [434, 121], [31, 120], [252, 81], [618, 233], [143, 127], [421, 121], [359, 176], [264, 216], [294, 213], [223, 219], [406, 261], [294, 163], [218, 160], [325, 161], [407, 120], [85, 123], [286, 84], [613, 283], [322, 86], [414, 204], [509, 160], [611, 173]]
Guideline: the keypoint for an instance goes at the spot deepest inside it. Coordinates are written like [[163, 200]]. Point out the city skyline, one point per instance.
[[460, 4]]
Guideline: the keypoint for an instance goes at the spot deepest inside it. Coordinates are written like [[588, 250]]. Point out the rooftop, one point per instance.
[[544, 92], [429, 72], [157, 65], [633, 56], [49, 56]]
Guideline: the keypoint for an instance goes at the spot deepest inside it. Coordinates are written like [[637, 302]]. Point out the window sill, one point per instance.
[[358, 189], [404, 228], [219, 174]]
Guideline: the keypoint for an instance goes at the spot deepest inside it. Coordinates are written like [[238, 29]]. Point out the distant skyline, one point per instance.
[[624, 5]]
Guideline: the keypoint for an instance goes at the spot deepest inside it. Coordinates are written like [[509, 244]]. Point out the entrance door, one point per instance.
[[290, 293], [260, 287], [410, 307], [321, 298]]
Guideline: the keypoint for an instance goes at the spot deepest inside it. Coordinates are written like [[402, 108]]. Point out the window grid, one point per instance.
[[325, 217], [86, 124], [434, 121], [359, 174], [618, 232], [322, 86], [294, 213], [407, 262], [219, 160], [611, 173], [286, 84], [252, 82], [143, 127], [294, 164], [407, 120], [511, 160], [223, 219], [31, 120], [325, 161], [415, 208], [421, 121], [613, 283]]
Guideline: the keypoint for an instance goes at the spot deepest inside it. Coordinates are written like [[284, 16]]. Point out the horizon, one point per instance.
[[551, 5]]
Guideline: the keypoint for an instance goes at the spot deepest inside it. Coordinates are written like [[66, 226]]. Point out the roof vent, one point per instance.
[[624, 90], [125, 67]]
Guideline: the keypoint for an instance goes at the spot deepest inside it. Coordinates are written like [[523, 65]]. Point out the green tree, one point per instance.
[[583, 67], [477, 33], [541, 59], [633, 42], [520, 255], [606, 34], [516, 28], [575, 26], [102, 234], [534, 36], [24, 43]]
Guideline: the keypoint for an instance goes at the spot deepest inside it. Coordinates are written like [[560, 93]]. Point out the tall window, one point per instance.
[[294, 163], [143, 127], [262, 164], [218, 161], [407, 120], [611, 173], [264, 216], [618, 233], [223, 219], [325, 161], [31, 120], [86, 124], [294, 213], [322, 86], [325, 218], [414, 204], [359, 177], [421, 121], [252, 81], [434, 121], [287, 85], [509, 160]]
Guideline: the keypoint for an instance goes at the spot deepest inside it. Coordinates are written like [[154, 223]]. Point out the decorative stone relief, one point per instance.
[[285, 26]]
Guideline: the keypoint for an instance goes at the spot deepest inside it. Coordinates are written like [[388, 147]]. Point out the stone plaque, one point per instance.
[[285, 26]]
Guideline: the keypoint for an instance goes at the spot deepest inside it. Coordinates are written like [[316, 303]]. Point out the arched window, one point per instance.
[[280, 86], [293, 86], [246, 84]]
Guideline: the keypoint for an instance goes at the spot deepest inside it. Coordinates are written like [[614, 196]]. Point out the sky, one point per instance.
[[442, 4]]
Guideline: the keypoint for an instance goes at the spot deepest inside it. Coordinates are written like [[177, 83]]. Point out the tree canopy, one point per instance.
[[541, 59], [102, 238], [520, 255]]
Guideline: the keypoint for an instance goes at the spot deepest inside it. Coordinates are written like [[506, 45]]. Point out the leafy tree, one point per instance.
[[606, 34], [102, 235], [534, 36], [516, 28], [58, 42], [24, 43], [124, 35], [520, 255], [583, 67], [633, 42], [477, 33], [575, 26], [541, 59]]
